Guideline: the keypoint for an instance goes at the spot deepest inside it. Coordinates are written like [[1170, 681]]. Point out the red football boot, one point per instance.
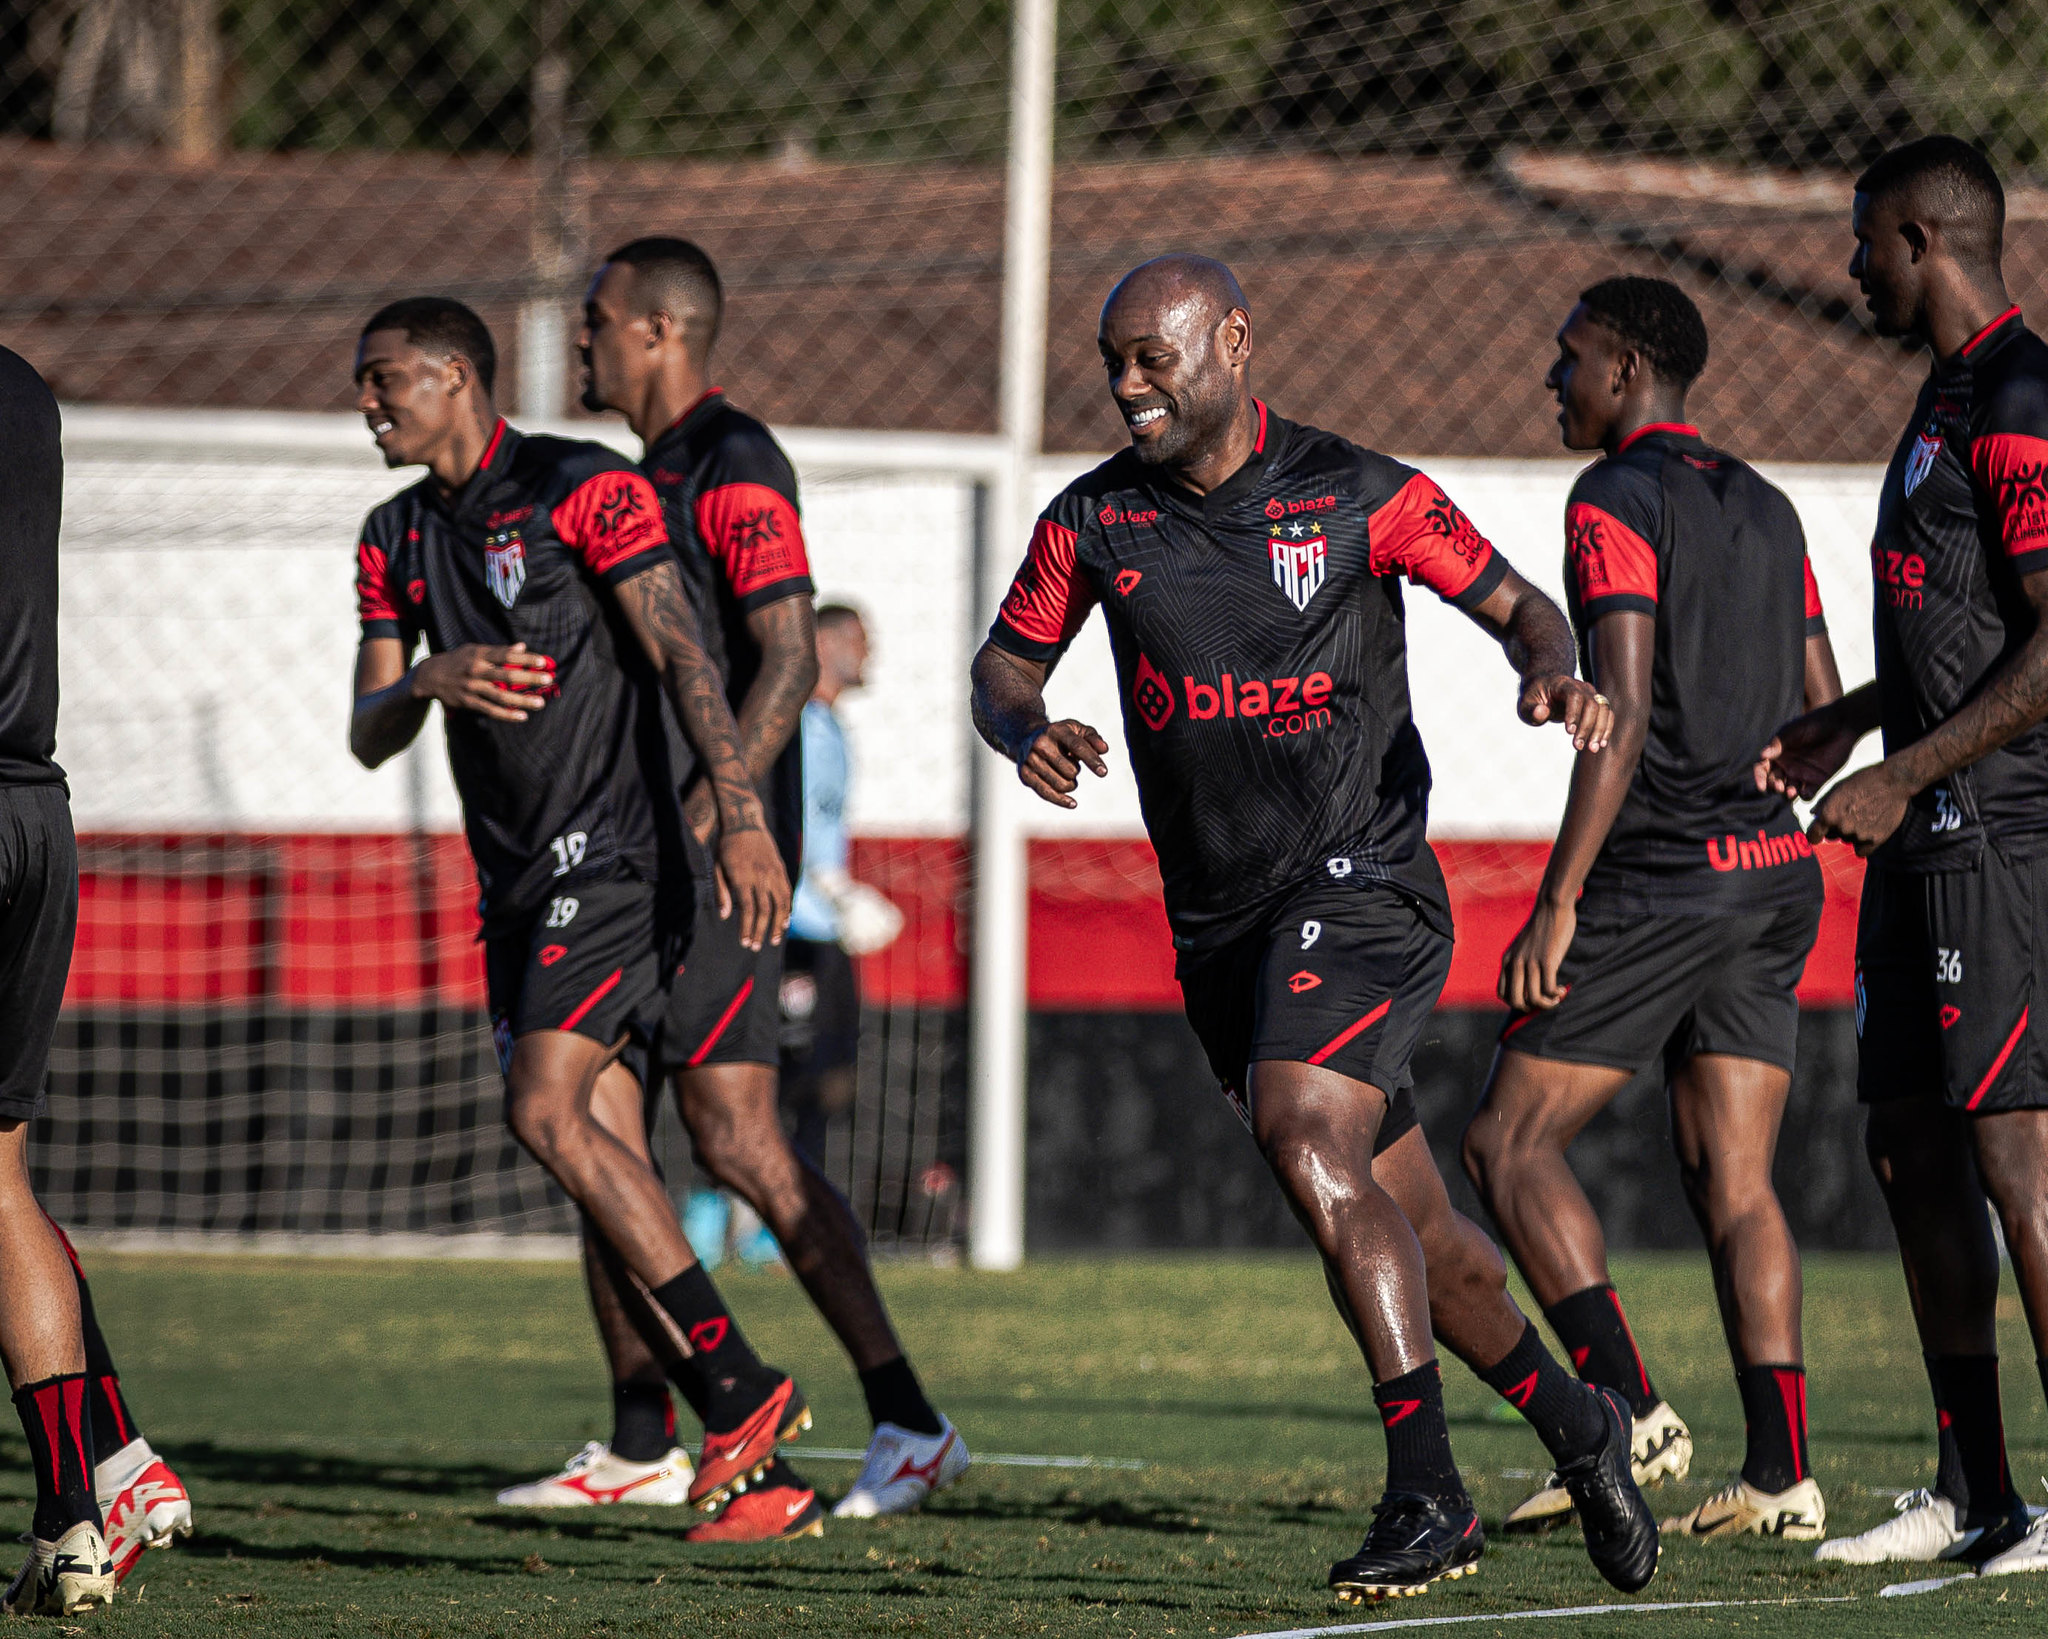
[[734, 1458], [780, 1505]]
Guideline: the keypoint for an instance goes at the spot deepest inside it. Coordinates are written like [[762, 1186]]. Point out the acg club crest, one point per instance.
[[505, 565], [1301, 558], [1920, 460]]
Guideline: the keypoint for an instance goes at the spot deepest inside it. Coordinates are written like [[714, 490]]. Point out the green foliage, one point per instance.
[[1817, 82]]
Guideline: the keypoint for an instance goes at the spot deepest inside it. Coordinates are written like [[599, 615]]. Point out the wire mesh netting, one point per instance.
[[206, 198]]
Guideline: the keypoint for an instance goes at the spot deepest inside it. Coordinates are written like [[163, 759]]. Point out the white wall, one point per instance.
[[208, 629]]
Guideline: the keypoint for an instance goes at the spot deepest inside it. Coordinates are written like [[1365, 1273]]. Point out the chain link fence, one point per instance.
[[206, 197]]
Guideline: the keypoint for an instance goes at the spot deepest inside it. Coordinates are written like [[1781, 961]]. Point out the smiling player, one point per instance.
[[1249, 571]]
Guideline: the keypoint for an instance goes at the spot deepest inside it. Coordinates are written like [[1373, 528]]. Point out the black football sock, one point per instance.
[[1418, 1439], [113, 1424], [1595, 1334], [1968, 1397], [895, 1396], [720, 1362], [643, 1419], [1774, 1410], [1948, 1461], [57, 1418], [1564, 1413]]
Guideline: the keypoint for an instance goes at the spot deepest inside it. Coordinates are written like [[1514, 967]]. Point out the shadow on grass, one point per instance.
[[205, 1460]]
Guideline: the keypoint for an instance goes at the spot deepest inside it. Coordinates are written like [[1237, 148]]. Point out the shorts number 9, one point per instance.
[[1310, 933]]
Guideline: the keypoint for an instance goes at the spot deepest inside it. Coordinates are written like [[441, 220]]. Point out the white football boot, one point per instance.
[[64, 1577], [594, 1477], [143, 1502], [1798, 1513], [1660, 1449], [902, 1469], [1922, 1527], [2030, 1553]]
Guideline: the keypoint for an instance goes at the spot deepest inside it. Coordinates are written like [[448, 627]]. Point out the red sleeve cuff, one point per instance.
[[756, 536]]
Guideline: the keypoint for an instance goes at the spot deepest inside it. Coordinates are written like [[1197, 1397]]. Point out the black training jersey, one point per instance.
[[31, 497], [1670, 527], [1262, 659], [518, 556], [1963, 515], [729, 494]]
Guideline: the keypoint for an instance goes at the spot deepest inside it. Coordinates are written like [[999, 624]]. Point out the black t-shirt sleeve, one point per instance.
[[2009, 460], [1612, 523], [379, 603], [1049, 600]]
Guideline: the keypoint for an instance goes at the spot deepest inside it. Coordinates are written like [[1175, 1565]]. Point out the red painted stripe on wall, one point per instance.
[[353, 920]]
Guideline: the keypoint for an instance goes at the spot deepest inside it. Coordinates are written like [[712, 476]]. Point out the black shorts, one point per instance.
[[38, 922], [590, 961], [1945, 986], [1641, 984], [819, 1007], [1339, 976], [722, 1003]]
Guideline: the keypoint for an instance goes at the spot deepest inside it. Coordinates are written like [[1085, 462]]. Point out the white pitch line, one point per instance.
[[979, 1459], [1902, 1590], [1525, 1616]]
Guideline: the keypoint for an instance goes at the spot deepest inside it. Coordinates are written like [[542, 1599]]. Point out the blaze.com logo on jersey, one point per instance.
[[1283, 706]]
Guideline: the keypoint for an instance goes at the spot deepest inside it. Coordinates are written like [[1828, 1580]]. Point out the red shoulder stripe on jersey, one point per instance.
[[2010, 313], [2014, 468], [1048, 602], [1684, 429], [1609, 559], [610, 518], [1422, 533], [373, 584], [497, 438], [754, 533]]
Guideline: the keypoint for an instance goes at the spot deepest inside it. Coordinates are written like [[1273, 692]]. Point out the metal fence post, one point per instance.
[[997, 1020]]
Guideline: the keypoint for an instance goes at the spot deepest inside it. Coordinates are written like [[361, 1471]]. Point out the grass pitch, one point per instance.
[[343, 1426]]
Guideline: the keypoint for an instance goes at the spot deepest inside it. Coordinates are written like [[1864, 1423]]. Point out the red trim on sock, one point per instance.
[[590, 1001], [731, 1012], [1520, 1395], [1642, 1371], [70, 1251], [113, 1399], [1398, 1411], [1998, 1063], [1343, 1037], [1792, 1390], [49, 1405]]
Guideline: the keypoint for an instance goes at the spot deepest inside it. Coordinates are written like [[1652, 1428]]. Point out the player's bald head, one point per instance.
[[675, 277], [1173, 295], [1947, 184]]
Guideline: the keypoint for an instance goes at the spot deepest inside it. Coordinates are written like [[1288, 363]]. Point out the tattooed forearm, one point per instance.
[[658, 609], [774, 701]]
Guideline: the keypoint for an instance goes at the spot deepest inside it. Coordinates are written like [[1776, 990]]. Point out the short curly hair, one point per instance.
[[1655, 316]]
